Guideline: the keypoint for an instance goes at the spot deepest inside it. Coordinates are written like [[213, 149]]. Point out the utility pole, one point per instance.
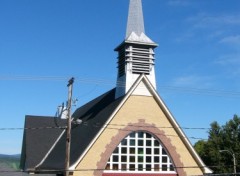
[[68, 130]]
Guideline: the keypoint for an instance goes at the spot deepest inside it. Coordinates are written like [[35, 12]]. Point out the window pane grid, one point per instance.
[[140, 152]]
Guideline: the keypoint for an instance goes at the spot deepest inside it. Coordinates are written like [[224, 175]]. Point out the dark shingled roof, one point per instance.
[[93, 115], [38, 139]]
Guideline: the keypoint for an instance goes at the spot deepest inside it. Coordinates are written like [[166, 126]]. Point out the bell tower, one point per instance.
[[135, 53]]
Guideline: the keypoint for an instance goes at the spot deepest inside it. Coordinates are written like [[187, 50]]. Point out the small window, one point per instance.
[[148, 143], [140, 142], [124, 158], [132, 150], [115, 158], [148, 151], [140, 167], [156, 151], [156, 159], [124, 150], [148, 159], [124, 167], [124, 142], [132, 142], [132, 159], [140, 159]]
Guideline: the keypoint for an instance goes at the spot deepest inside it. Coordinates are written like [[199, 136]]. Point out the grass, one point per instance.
[[11, 162]]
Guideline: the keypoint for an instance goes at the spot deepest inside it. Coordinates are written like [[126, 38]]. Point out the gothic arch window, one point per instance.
[[140, 152]]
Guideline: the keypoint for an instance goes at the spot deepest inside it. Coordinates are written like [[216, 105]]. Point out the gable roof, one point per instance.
[[94, 115], [143, 85]]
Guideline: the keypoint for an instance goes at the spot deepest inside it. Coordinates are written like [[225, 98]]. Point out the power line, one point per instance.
[[101, 124], [187, 128], [33, 128], [214, 92], [33, 78], [106, 127]]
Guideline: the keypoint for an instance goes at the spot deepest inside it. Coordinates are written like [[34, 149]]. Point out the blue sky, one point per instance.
[[43, 43]]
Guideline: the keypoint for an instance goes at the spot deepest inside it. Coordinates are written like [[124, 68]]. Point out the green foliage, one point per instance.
[[12, 163], [226, 137]]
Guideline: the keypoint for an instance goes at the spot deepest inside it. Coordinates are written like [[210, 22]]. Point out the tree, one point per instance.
[[226, 137]]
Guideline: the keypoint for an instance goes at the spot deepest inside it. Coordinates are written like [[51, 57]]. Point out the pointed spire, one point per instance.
[[135, 53], [135, 18]]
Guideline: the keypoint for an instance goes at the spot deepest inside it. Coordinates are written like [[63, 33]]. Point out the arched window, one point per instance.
[[140, 152]]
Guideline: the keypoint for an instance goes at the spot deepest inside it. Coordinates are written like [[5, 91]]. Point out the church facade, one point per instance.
[[127, 131]]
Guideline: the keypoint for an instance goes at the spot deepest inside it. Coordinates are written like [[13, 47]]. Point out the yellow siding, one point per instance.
[[135, 109]]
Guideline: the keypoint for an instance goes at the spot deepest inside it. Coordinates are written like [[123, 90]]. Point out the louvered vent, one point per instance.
[[140, 59], [121, 62]]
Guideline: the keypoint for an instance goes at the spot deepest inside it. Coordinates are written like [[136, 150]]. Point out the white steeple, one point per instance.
[[136, 53], [135, 24], [135, 18]]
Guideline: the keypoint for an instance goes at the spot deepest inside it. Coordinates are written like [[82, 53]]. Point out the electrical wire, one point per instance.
[[33, 78], [105, 127], [186, 128], [102, 124], [33, 128], [210, 92]]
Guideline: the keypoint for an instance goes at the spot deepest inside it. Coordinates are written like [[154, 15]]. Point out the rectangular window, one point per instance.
[[148, 143], [124, 150], [164, 159], [156, 167], [124, 158], [148, 151], [140, 134], [140, 159], [132, 142], [132, 159], [148, 159], [115, 166], [124, 142], [140, 167], [148, 167], [148, 136], [140, 151], [132, 150], [156, 151], [156, 159], [164, 167], [115, 158], [132, 167], [140, 142], [124, 167]]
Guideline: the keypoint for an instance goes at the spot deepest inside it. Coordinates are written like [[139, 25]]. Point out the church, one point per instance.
[[127, 131]]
